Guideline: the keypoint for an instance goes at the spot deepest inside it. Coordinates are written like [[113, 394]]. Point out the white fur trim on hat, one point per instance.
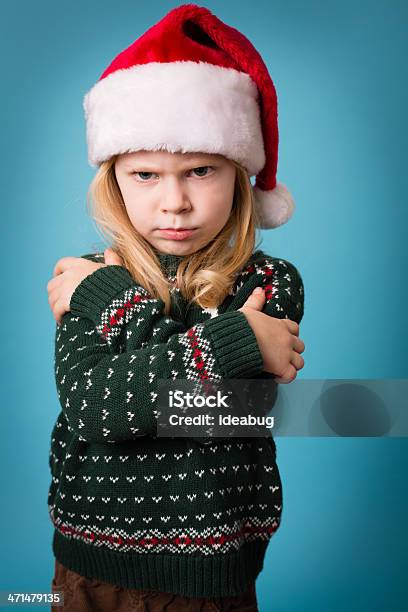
[[181, 106], [274, 207]]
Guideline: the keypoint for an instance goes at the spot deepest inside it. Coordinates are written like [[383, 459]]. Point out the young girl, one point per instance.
[[176, 125]]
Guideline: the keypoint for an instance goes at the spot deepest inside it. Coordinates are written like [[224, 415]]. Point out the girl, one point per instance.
[[176, 125]]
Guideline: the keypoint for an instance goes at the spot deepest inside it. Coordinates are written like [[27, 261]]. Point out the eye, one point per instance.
[[200, 168], [143, 177], [201, 172]]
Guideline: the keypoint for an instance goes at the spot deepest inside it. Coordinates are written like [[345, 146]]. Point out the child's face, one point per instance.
[[172, 190]]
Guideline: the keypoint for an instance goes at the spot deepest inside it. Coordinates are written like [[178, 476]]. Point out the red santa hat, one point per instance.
[[192, 83]]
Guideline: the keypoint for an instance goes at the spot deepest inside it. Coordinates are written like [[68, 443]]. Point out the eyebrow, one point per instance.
[[189, 160]]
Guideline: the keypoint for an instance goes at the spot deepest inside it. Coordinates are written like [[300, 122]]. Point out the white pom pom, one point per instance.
[[274, 207]]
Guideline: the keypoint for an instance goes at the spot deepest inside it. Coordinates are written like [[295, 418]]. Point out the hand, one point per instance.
[[277, 339], [68, 273]]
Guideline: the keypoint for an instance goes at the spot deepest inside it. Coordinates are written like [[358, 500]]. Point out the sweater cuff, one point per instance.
[[235, 345], [97, 290]]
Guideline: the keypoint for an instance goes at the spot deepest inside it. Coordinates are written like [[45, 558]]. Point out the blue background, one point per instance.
[[340, 76]]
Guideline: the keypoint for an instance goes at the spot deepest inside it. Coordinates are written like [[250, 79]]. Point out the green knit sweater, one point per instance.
[[149, 512]]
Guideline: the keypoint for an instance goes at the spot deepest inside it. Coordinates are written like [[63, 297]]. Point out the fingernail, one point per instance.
[[258, 290]]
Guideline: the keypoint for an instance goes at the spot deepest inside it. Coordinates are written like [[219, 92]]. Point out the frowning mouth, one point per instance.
[[177, 234]]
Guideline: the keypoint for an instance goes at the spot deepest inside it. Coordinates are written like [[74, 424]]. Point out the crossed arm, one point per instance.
[[108, 391]]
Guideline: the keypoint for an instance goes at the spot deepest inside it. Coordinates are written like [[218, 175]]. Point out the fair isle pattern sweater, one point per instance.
[[149, 512]]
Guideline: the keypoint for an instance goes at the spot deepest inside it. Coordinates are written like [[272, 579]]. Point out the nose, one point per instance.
[[174, 197]]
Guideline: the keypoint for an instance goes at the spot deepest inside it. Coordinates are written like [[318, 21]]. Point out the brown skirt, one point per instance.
[[91, 595]]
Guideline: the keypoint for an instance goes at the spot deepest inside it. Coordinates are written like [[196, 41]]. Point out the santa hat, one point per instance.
[[192, 83]]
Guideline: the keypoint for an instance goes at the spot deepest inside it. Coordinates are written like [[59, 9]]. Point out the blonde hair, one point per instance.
[[204, 277]]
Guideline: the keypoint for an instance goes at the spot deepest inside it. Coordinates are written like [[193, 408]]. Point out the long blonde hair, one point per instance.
[[204, 277]]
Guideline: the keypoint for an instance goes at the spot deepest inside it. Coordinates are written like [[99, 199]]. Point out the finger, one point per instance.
[[54, 309], [298, 345], [55, 314], [63, 264], [112, 258], [58, 311], [53, 283], [256, 299], [51, 301], [297, 361], [288, 376], [292, 326], [53, 294]]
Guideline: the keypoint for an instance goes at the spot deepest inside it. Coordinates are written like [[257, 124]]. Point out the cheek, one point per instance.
[[137, 206], [218, 203], [140, 218], [138, 213]]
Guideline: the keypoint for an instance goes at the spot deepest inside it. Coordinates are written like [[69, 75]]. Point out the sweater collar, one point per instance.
[[168, 262]]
